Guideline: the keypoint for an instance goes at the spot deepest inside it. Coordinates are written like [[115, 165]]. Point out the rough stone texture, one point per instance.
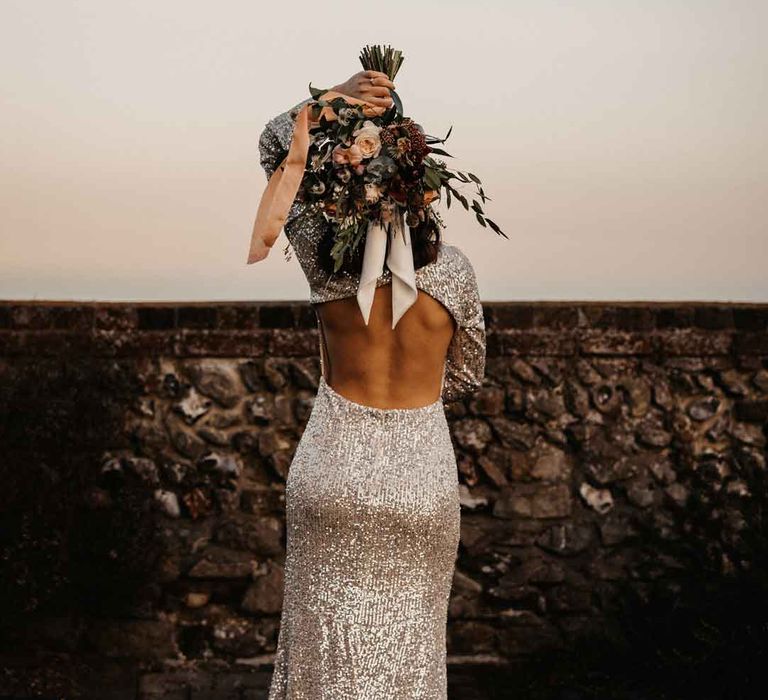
[[145, 451]]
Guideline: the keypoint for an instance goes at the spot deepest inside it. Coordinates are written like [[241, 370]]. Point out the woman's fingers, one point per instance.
[[383, 81], [372, 73], [376, 90], [379, 78], [378, 101]]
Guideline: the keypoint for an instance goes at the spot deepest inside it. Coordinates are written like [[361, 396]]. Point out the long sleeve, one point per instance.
[[465, 360]]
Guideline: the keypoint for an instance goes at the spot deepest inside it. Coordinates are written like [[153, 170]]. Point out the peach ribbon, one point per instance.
[[281, 191]]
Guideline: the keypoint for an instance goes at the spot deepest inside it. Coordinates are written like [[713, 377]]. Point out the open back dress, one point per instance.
[[372, 501]]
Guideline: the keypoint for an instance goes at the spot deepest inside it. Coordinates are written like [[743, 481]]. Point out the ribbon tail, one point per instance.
[[400, 262], [261, 239], [280, 191], [373, 267]]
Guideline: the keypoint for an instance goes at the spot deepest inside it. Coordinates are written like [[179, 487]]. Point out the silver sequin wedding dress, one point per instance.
[[372, 503]]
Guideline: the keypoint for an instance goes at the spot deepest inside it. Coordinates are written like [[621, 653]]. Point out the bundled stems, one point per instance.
[[383, 59]]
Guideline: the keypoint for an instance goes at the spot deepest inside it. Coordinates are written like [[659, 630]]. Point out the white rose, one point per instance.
[[367, 139]]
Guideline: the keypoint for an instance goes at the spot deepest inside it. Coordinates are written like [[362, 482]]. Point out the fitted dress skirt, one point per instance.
[[372, 524]]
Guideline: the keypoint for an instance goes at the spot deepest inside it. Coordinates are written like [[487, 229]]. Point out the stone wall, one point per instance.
[[145, 448]]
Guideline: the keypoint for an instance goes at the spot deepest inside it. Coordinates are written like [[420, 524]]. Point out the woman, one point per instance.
[[372, 504]]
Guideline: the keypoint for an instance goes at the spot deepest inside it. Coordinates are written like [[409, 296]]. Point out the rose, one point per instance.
[[355, 155], [343, 156], [367, 139], [339, 155]]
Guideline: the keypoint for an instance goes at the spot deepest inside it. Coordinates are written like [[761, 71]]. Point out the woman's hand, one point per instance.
[[369, 85]]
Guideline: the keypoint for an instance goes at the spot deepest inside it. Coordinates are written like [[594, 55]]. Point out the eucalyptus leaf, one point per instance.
[[495, 227], [432, 178], [315, 92]]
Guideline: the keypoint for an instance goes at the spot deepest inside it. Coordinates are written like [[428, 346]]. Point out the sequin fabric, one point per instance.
[[450, 279], [372, 516], [372, 503]]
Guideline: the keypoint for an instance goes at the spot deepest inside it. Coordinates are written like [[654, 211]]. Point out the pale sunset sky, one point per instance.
[[623, 142]]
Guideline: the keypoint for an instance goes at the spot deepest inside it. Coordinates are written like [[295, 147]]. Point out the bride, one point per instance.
[[372, 503]]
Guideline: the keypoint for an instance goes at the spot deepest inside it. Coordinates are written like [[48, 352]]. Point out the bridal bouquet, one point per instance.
[[376, 164]]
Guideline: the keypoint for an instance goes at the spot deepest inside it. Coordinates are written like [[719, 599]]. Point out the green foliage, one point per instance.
[[315, 92]]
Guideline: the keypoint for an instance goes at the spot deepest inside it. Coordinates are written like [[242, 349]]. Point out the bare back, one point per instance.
[[377, 365]]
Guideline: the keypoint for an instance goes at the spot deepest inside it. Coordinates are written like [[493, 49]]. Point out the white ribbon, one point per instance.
[[400, 262]]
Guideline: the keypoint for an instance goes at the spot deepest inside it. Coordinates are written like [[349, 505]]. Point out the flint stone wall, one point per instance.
[[146, 446]]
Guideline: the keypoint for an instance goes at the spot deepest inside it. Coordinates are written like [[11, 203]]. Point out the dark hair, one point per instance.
[[425, 241]]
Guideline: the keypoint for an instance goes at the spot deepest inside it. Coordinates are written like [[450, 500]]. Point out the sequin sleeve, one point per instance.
[[275, 139], [465, 361]]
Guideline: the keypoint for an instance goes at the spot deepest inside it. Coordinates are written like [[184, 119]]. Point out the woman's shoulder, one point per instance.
[[455, 258]]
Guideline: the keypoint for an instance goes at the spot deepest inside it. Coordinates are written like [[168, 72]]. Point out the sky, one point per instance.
[[622, 143]]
